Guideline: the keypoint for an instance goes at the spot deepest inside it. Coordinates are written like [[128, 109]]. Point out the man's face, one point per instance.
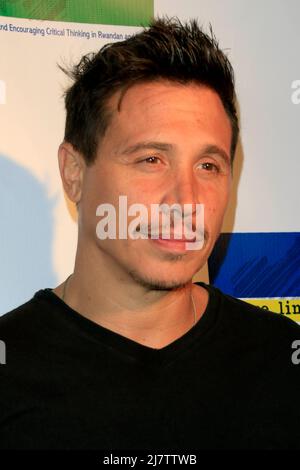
[[169, 143]]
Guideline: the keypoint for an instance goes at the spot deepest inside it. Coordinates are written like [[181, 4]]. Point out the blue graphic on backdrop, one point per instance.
[[256, 264]]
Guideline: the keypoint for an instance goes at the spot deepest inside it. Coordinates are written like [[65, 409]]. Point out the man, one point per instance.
[[128, 353]]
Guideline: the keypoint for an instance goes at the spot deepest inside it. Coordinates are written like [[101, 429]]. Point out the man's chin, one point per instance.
[[152, 283]]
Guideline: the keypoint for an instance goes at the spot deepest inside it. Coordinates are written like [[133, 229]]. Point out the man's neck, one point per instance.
[[114, 301]]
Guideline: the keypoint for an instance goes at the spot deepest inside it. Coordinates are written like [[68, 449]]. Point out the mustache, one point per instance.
[[188, 224], [178, 229]]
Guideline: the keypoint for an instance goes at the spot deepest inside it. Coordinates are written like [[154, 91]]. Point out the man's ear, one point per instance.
[[71, 167]]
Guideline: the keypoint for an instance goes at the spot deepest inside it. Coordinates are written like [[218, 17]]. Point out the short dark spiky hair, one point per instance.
[[169, 50]]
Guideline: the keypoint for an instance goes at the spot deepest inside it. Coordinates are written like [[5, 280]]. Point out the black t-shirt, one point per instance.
[[69, 383]]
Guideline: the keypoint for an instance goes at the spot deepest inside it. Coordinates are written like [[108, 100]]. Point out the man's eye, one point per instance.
[[151, 160], [210, 167]]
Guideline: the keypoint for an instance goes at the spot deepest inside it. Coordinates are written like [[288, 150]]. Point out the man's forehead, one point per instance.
[[147, 112], [157, 92]]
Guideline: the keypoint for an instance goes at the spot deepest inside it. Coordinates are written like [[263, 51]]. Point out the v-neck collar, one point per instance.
[[83, 326]]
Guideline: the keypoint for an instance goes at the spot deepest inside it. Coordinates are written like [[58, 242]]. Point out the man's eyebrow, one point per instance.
[[147, 145], [215, 150], [164, 147]]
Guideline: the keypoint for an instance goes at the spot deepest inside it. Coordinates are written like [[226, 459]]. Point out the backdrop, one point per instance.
[[257, 257]]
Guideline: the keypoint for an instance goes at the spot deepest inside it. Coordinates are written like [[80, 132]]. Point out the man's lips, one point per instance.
[[171, 238], [179, 240], [173, 244]]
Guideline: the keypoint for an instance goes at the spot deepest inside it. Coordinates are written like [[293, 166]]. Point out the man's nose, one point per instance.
[[182, 187]]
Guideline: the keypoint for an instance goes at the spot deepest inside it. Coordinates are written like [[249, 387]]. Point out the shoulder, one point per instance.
[[253, 315], [25, 333], [21, 319], [256, 336], [249, 321]]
